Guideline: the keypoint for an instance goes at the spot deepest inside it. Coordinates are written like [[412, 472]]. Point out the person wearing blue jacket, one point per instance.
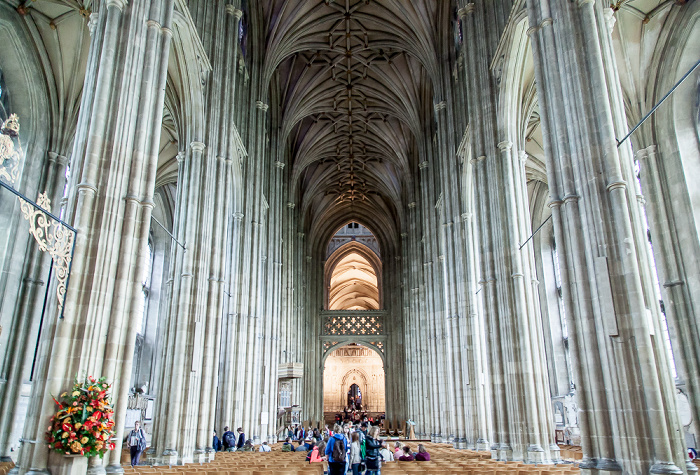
[[336, 467]]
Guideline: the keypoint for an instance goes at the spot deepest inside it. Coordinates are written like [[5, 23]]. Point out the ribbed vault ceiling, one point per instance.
[[352, 78], [353, 285]]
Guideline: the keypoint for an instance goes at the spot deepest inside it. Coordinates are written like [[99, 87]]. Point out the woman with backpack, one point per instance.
[[335, 450]]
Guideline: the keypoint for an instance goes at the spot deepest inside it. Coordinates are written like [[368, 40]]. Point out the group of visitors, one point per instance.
[[403, 453], [351, 450], [230, 443]]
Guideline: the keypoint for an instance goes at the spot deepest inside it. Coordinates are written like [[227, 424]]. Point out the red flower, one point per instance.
[[97, 415], [66, 427]]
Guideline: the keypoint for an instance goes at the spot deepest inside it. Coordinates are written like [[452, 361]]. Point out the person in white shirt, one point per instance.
[[264, 447], [385, 453]]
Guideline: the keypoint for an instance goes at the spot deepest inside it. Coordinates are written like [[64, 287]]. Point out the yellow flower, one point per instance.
[[64, 394], [78, 425], [84, 440], [105, 436], [64, 435], [90, 409], [75, 393]]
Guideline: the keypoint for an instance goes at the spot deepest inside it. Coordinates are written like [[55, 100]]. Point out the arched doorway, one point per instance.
[[350, 373], [355, 396]]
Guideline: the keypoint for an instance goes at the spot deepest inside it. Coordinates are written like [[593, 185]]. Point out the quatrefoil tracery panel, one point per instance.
[[348, 324]]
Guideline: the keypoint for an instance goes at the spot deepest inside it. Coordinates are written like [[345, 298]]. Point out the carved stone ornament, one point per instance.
[[53, 237], [10, 155]]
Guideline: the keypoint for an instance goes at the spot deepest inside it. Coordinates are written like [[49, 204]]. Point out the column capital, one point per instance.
[[92, 22], [290, 205], [238, 216], [422, 165], [231, 10], [412, 205], [465, 10], [440, 106], [120, 4], [505, 145], [197, 146], [262, 106], [57, 158], [610, 19], [645, 152], [279, 164]]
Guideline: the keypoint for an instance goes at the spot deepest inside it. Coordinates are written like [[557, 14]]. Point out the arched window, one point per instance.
[[664, 323], [4, 99], [562, 312], [145, 288]]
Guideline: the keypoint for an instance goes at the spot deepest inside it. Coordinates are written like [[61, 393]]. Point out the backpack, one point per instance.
[[286, 448], [338, 453], [229, 439]]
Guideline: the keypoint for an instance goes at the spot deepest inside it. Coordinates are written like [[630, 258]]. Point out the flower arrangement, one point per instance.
[[84, 423]]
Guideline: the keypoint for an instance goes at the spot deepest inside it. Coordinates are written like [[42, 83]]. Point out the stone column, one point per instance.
[[111, 195], [628, 419], [28, 321], [522, 410]]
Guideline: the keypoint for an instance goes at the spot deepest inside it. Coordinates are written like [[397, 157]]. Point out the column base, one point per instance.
[[504, 453], [15, 470], [96, 470], [690, 467], [114, 469], [169, 457], [436, 438], [590, 466], [536, 455], [460, 443], [665, 467], [482, 445], [554, 453], [200, 456]]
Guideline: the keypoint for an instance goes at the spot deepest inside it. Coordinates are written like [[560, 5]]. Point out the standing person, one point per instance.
[[347, 430], [137, 443], [355, 456], [216, 443], [335, 450], [229, 439], [241, 438], [372, 446]]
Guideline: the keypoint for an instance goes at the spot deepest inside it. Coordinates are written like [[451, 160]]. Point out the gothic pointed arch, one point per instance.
[[369, 270]]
